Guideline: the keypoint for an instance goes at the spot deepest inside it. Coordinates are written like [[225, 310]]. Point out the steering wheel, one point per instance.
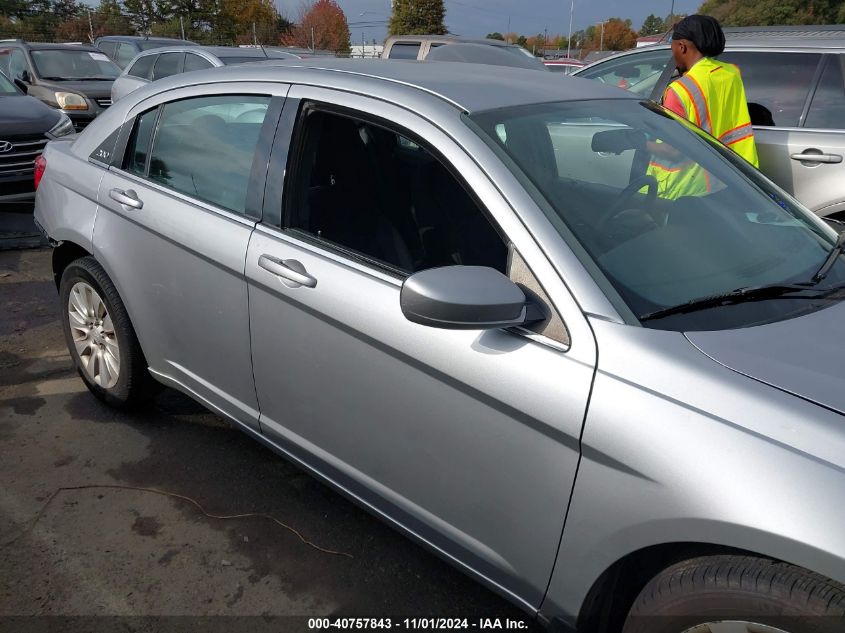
[[627, 195]]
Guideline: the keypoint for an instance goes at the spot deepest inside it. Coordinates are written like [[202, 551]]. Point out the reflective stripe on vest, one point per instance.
[[737, 134], [699, 103]]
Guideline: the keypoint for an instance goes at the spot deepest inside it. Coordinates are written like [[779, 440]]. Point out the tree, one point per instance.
[[652, 25], [495, 36], [418, 17], [618, 36], [322, 25], [522, 41], [756, 13]]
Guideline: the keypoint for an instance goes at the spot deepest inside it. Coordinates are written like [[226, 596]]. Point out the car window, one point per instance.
[[6, 86], [204, 147], [17, 64], [142, 67], [125, 53], [380, 196], [404, 50], [827, 110], [104, 151], [135, 161], [195, 62], [638, 72], [108, 48], [167, 64], [691, 219], [776, 84]]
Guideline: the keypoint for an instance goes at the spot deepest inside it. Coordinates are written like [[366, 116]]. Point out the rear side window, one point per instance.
[[125, 53], [104, 152], [168, 64], [195, 62], [776, 84], [139, 144], [142, 67], [828, 108], [204, 147], [404, 50], [109, 48]]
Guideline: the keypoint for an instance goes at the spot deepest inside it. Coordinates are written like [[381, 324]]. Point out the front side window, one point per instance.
[[167, 64], [374, 194], [404, 50], [17, 64], [204, 147], [69, 64], [827, 111], [638, 72], [776, 84], [6, 86], [666, 214], [143, 67]]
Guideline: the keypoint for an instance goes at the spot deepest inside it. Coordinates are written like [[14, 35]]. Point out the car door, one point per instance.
[[466, 439], [177, 207]]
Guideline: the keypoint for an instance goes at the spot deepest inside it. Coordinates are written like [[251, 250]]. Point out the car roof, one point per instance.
[[234, 51], [141, 38], [449, 38], [471, 87], [42, 46]]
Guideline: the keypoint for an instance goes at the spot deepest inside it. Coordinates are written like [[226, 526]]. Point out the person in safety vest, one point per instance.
[[708, 93]]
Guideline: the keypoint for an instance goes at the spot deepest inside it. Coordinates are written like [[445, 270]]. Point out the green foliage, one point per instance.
[[495, 36], [652, 25], [777, 12], [522, 41], [418, 17]]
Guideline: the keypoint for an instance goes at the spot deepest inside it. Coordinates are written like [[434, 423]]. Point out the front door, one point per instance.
[[467, 439]]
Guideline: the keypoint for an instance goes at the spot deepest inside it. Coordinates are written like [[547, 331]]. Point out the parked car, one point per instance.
[[563, 65], [74, 79], [483, 54], [123, 48], [455, 296], [26, 125], [794, 81], [419, 46], [164, 62]]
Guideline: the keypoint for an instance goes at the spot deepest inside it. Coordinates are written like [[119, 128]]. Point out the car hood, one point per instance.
[[24, 116], [91, 89], [804, 356]]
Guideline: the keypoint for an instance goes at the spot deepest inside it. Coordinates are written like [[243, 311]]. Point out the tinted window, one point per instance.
[[143, 66], [404, 50], [195, 62], [74, 64], [139, 145], [828, 108], [125, 53], [204, 147], [167, 64], [777, 82], [108, 48], [372, 192], [638, 73], [17, 64]]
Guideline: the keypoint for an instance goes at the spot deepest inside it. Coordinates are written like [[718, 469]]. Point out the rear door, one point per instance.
[[467, 439], [177, 208]]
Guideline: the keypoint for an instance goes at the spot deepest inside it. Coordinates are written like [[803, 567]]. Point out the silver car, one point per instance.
[[161, 62], [794, 82], [458, 298]]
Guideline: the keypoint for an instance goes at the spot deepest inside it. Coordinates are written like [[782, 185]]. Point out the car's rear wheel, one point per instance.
[[738, 594], [100, 336]]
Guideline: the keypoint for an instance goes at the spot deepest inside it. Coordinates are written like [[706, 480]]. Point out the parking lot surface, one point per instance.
[[110, 513]]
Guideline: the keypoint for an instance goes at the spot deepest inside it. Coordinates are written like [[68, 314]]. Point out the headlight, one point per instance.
[[71, 101], [62, 128]]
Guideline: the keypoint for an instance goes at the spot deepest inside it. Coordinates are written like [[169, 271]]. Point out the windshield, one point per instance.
[[666, 215], [69, 64], [6, 86]]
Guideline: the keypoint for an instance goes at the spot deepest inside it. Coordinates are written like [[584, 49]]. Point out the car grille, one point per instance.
[[20, 158], [103, 102]]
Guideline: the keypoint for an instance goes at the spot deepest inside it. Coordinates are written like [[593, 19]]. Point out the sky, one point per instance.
[[476, 18]]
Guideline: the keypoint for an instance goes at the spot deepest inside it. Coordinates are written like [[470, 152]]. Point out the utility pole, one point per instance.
[[545, 41], [601, 43], [254, 35], [90, 27], [508, 32], [569, 39], [313, 48], [182, 27], [672, 15]]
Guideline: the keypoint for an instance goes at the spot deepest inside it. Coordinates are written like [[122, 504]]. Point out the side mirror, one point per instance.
[[24, 77], [22, 85], [618, 141], [465, 298]]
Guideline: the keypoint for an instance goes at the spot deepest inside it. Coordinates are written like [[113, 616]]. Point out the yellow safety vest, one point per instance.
[[713, 98]]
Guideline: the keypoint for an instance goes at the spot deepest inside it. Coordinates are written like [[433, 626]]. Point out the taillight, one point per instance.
[[40, 166]]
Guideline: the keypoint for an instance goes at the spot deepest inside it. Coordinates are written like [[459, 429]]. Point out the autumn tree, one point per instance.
[[652, 25], [322, 25], [786, 12], [420, 17], [617, 35]]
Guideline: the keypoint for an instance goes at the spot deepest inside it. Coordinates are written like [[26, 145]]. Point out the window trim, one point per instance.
[[293, 168], [828, 59]]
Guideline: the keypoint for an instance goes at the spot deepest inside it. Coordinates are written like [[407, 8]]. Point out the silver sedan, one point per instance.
[[463, 299]]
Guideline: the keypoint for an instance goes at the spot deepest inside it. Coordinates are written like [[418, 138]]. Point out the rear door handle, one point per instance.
[[127, 198], [811, 157], [292, 272]]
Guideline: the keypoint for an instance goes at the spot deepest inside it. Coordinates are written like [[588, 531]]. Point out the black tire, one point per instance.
[[134, 384], [738, 588]]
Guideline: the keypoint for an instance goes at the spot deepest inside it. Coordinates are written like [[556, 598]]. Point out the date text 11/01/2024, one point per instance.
[[430, 624]]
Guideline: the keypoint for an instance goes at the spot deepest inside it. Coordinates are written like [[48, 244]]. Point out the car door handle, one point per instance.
[[289, 270], [811, 157], [127, 198]]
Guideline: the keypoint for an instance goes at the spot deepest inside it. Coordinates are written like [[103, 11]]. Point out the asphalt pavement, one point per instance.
[[104, 513]]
